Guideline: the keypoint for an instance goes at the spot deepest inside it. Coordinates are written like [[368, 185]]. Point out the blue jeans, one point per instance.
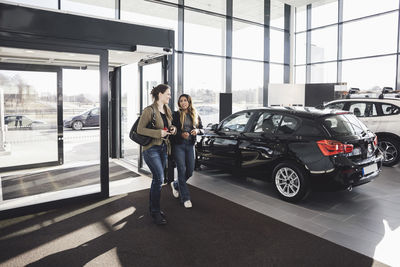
[[156, 158], [184, 158]]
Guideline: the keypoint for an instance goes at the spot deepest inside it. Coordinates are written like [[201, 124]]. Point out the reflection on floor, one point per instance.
[[15, 186]]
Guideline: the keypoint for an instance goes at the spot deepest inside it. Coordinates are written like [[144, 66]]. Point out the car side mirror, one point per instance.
[[214, 127]]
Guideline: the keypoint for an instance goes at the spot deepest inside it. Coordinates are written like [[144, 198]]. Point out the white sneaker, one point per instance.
[[187, 204], [175, 192]]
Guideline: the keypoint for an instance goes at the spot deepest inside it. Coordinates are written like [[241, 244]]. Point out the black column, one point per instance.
[[104, 168], [267, 18], [286, 58]]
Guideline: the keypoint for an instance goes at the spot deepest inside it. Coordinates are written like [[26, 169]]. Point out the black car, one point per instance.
[[298, 149], [89, 118]]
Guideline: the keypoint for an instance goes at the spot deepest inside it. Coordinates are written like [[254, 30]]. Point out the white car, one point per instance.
[[381, 116]]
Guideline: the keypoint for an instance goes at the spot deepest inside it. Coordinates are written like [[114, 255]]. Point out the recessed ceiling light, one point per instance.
[[71, 54], [29, 51]]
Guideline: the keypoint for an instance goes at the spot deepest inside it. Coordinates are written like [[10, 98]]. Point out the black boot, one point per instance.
[[158, 219]]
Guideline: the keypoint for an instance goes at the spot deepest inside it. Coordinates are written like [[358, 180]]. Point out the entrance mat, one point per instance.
[[15, 186], [119, 232]]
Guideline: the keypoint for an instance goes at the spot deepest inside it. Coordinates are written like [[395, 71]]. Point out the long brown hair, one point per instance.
[[191, 110], [161, 88]]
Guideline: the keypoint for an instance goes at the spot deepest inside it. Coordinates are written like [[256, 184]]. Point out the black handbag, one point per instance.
[[142, 140]]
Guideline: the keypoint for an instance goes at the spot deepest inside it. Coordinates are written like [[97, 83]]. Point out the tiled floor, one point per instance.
[[366, 219]]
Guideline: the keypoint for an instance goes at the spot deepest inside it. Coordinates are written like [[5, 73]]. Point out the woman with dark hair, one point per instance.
[[155, 153], [188, 124]]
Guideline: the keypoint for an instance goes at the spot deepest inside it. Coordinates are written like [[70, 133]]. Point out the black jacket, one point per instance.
[[178, 139]]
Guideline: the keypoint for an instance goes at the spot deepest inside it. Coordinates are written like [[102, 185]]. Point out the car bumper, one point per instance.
[[347, 175], [67, 124]]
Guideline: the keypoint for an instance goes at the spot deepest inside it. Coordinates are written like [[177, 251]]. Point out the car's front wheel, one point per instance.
[[390, 149], [77, 125], [291, 181]]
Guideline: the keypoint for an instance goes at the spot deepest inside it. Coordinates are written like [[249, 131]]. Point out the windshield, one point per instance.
[[344, 124]]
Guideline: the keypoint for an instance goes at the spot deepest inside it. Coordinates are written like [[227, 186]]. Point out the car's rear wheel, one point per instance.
[[291, 181], [390, 149], [77, 125]]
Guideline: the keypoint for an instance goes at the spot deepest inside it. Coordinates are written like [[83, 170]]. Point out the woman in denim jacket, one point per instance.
[[188, 124], [155, 153]]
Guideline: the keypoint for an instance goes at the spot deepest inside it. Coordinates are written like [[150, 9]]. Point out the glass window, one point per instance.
[[360, 8], [301, 18], [217, 6], [277, 46], [267, 123], [309, 128], [43, 3], [389, 109], [288, 125], [247, 84], [144, 12], [300, 74], [277, 14], [364, 74], [200, 29], [301, 48], [324, 73], [276, 73], [363, 109], [324, 44], [339, 105], [370, 36], [104, 8], [204, 79], [236, 123], [247, 41], [343, 125], [252, 10], [324, 13]]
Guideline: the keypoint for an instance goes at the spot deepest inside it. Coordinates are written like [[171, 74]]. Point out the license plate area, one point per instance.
[[370, 169]]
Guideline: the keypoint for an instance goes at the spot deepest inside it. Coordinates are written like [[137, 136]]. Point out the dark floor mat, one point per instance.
[[215, 232], [15, 186]]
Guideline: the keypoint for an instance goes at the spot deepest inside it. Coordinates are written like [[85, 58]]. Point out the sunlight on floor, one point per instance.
[[388, 248]]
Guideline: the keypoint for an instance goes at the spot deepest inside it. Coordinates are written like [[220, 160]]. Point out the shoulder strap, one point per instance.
[[153, 119]]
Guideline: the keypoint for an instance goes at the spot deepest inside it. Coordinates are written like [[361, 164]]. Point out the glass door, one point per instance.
[[151, 72], [30, 136]]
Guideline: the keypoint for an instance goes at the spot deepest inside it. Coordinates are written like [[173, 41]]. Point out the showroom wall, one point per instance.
[[220, 45], [349, 41]]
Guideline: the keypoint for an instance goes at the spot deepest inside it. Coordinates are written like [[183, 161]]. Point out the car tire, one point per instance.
[[390, 149], [77, 125], [290, 181]]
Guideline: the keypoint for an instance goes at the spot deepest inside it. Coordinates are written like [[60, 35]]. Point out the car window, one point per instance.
[[236, 123], [389, 109], [288, 125], [339, 105], [267, 123], [344, 124], [95, 112], [363, 109], [309, 128]]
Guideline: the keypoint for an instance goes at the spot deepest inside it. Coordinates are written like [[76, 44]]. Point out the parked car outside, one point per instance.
[[15, 122], [382, 116], [89, 118], [298, 149]]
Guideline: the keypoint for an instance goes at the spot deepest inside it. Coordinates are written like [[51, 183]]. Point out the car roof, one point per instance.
[[395, 101], [309, 112]]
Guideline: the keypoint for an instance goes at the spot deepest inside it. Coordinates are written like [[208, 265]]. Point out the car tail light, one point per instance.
[[332, 147], [376, 141]]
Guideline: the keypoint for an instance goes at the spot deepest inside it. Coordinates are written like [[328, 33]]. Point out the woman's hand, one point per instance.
[[164, 133], [172, 129], [185, 135], [193, 132]]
